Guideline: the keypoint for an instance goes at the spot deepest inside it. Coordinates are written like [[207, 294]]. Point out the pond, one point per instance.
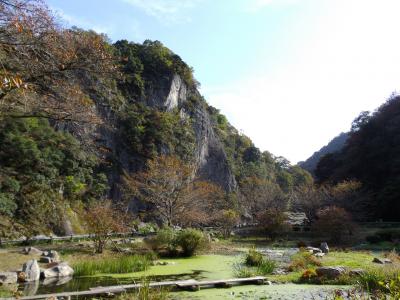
[[203, 267]]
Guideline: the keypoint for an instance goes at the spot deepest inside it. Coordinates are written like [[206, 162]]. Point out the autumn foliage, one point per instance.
[[169, 187]]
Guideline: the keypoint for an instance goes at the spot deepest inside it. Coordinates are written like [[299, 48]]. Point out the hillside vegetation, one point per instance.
[[78, 113]]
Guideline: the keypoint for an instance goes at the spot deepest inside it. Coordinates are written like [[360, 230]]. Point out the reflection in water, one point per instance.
[[31, 288], [69, 284]]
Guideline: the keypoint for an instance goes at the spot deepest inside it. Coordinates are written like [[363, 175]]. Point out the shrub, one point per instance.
[[267, 266], [190, 240], [253, 258], [164, 239], [123, 264], [303, 260], [385, 280], [147, 228], [308, 275]]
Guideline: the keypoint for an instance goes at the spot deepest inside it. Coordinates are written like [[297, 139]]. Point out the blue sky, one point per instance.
[[291, 74]]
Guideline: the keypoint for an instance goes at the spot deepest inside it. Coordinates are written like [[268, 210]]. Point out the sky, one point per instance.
[[290, 74]]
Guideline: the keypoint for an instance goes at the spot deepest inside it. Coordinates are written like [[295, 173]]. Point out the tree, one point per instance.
[[260, 194], [333, 222], [102, 220], [168, 186], [42, 64], [227, 219], [309, 199], [273, 221]]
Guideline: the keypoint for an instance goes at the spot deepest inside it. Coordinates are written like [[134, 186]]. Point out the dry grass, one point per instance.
[[12, 260]]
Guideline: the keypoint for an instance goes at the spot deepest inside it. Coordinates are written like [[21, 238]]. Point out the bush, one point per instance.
[[253, 258], [303, 260], [190, 240], [308, 275], [165, 238]]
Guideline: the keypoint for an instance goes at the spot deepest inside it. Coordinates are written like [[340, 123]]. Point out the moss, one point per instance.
[[203, 266]]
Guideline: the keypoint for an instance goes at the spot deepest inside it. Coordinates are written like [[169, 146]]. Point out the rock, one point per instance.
[[45, 260], [31, 271], [61, 270], [330, 272], [279, 271], [319, 254], [382, 260], [126, 250], [268, 282], [51, 256], [8, 277], [356, 272], [324, 247], [313, 250], [32, 251]]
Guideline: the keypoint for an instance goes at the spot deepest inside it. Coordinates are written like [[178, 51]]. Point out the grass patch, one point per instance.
[[350, 259], [253, 264], [146, 293], [11, 260], [120, 265]]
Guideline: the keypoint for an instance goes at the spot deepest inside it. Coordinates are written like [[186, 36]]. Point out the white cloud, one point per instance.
[[349, 63], [166, 11], [71, 20]]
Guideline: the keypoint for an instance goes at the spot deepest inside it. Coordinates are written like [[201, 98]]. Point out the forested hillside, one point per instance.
[[336, 144], [371, 156], [79, 115]]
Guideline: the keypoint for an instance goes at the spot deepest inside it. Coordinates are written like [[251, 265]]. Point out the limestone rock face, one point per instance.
[[177, 93], [210, 155], [31, 270], [8, 277]]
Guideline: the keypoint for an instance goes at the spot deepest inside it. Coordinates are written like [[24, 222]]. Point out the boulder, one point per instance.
[[356, 272], [61, 270], [32, 251], [50, 256], [8, 277], [324, 247], [319, 254], [31, 271], [330, 272], [45, 260], [313, 250], [382, 260]]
